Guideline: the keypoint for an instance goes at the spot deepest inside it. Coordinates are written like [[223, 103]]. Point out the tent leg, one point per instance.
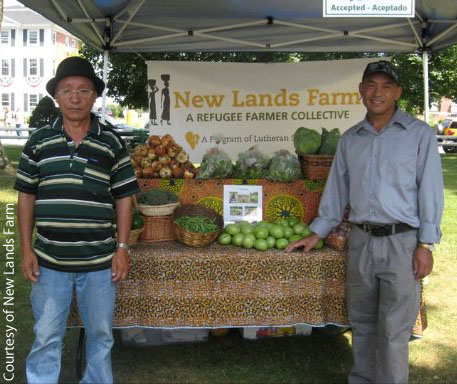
[[105, 78], [426, 95]]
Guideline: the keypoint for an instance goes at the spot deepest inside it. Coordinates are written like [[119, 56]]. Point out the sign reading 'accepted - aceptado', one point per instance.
[[368, 8]]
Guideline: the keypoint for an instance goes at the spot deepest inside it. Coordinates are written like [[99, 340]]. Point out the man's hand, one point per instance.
[[307, 243], [29, 266], [422, 263], [120, 265]]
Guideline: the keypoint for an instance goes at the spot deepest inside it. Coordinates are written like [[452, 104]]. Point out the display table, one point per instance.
[[300, 198], [171, 285]]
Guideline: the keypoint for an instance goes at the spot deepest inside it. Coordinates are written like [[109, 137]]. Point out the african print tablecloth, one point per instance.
[[299, 199], [171, 285]]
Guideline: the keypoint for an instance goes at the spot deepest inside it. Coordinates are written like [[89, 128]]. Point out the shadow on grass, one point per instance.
[[228, 359]]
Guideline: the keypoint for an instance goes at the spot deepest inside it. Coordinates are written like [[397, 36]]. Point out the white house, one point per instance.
[[31, 48]]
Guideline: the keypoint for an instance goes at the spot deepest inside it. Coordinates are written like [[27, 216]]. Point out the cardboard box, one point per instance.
[[152, 337], [253, 333]]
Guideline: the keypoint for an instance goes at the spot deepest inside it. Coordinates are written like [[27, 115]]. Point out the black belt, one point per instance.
[[385, 229]]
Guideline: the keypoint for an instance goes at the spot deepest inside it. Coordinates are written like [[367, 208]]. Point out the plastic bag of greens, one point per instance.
[[252, 164], [284, 167], [329, 141], [216, 164]]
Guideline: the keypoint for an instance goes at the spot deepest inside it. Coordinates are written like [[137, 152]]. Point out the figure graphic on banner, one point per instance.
[[152, 102], [165, 99]]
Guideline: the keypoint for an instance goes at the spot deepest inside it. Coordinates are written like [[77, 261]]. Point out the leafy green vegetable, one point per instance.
[[216, 164], [252, 164], [157, 196], [329, 141], [197, 224], [306, 140], [284, 167], [137, 221]]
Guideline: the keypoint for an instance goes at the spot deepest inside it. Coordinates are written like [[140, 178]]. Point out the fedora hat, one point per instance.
[[75, 66]]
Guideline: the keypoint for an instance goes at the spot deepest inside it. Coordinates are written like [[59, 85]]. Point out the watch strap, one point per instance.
[[123, 245], [428, 246]]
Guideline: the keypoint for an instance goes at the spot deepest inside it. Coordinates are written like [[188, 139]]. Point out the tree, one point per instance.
[[442, 77], [128, 76], [44, 113]]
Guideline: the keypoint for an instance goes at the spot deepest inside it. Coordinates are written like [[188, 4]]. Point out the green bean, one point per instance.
[[197, 224]]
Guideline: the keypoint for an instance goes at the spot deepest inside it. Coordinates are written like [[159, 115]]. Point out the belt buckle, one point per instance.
[[377, 230]]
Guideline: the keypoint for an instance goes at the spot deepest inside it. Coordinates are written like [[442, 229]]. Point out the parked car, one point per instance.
[[121, 128], [448, 128], [133, 136], [108, 111]]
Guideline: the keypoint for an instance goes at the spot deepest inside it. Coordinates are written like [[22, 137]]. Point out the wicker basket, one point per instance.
[[157, 210], [196, 239], [134, 235], [315, 167], [157, 228]]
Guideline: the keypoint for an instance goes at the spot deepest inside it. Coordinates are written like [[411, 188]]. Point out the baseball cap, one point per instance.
[[381, 66]]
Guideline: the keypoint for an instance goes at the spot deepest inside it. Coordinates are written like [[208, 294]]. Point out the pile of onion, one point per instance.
[[162, 157]]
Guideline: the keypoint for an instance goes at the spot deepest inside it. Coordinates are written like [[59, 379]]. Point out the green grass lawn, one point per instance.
[[231, 359], [13, 152]]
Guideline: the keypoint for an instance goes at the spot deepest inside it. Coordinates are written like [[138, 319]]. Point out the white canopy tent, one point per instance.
[[248, 25]]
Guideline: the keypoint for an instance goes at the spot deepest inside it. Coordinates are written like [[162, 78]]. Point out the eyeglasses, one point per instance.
[[82, 93]]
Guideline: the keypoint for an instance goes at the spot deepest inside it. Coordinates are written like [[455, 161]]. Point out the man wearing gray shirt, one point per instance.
[[388, 171]]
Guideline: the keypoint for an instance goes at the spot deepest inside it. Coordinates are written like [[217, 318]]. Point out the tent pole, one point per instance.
[[426, 96], [105, 78]]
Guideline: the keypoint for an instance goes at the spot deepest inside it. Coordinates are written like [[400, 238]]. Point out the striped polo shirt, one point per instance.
[[75, 190]]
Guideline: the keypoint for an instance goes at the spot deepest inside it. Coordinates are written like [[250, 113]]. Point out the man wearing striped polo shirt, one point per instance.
[[75, 182]]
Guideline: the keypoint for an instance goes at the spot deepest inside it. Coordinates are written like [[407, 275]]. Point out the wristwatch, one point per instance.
[[123, 245], [430, 247]]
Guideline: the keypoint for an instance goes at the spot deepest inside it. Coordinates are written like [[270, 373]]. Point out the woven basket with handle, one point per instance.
[[196, 239]]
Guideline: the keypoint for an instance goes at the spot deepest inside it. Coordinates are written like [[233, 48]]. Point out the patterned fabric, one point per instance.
[[298, 199], [75, 188], [171, 285]]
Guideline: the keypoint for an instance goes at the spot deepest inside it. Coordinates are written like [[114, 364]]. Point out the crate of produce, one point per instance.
[[315, 166], [196, 226]]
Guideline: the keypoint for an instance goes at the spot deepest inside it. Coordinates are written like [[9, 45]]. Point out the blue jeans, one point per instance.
[[51, 298]]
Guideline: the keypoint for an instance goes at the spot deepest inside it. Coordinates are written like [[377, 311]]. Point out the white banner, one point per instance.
[[238, 105], [369, 8]]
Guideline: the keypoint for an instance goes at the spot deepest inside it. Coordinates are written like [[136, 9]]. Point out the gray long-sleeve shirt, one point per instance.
[[391, 176]]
